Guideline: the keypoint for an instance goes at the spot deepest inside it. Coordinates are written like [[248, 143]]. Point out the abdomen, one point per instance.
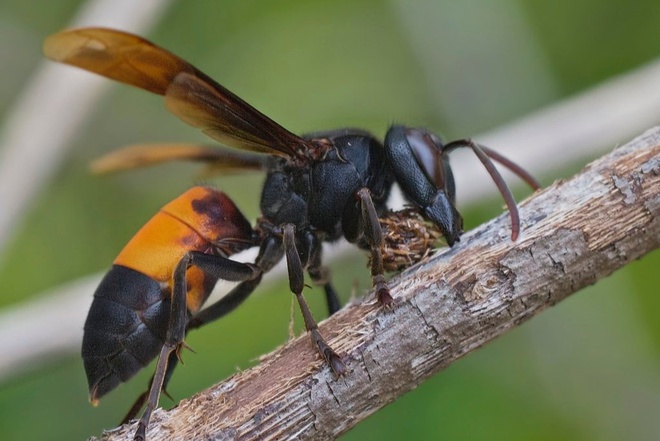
[[124, 330], [128, 319]]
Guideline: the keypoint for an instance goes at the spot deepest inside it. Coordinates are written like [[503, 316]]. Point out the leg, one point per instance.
[[269, 254], [225, 305], [217, 266], [321, 275], [296, 283], [211, 313], [139, 402], [372, 233], [331, 297]]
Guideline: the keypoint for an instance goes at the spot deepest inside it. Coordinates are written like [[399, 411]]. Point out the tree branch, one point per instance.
[[574, 233]]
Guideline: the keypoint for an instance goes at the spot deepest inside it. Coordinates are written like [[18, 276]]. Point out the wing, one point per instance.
[[189, 93], [145, 155]]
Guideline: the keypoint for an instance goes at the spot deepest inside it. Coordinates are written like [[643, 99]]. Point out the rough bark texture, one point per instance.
[[573, 234]]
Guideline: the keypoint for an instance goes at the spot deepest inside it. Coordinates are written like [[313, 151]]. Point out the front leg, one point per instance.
[[360, 221]]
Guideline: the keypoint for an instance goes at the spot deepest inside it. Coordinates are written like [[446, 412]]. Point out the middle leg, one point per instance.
[[321, 274], [296, 284]]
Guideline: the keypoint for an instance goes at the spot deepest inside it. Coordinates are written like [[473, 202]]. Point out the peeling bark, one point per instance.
[[573, 233]]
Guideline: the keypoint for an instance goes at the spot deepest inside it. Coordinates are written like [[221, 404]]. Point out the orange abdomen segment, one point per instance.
[[201, 219], [156, 250], [214, 217]]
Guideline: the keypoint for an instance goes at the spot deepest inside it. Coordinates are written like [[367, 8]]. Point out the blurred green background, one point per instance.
[[588, 369]]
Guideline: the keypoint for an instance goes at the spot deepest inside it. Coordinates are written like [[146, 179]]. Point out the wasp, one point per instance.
[[318, 188]]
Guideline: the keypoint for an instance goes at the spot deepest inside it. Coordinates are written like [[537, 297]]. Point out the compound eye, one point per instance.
[[427, 151]]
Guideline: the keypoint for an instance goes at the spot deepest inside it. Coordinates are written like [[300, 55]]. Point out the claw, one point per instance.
[[140, 433], [336, 363], [383, 293], [385, 298], [329, 355]]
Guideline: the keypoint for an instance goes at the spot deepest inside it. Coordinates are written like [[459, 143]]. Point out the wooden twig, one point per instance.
[[574, 233]]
